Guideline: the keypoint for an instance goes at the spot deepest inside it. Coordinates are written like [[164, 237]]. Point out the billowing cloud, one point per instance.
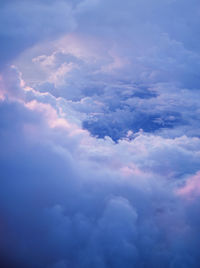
[[73, 200], [99, 134]]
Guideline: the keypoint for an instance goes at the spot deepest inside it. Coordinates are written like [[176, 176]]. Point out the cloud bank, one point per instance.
[[99, 134]]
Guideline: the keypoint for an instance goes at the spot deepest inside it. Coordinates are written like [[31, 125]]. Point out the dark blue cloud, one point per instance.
[[117, 124]]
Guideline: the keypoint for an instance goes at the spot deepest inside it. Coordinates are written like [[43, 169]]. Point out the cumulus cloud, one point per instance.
[[93, 83], [99, 134], [132, 67], [68, 199]]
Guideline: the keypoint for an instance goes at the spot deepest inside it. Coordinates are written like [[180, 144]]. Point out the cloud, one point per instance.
[[99, 134], [149, 82], [111, 106], [25, 23], [73, 200], [191, 189]]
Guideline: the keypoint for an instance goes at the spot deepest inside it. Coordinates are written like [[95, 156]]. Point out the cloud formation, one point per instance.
[[71, 200], [99, 134]]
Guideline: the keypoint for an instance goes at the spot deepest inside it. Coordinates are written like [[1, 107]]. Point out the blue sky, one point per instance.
[[99, 134]]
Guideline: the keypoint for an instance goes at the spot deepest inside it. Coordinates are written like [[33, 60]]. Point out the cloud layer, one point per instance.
[[99, 134]]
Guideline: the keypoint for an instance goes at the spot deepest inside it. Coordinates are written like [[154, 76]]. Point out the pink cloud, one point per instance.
[[191, 188]]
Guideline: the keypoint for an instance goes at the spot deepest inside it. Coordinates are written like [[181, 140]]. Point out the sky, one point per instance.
[[99, 134]]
